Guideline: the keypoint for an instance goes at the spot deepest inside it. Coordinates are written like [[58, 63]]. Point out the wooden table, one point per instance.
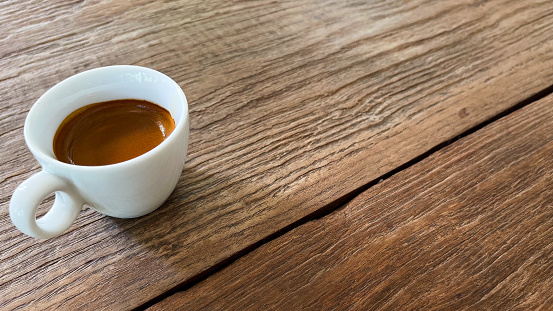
[[355, 154]]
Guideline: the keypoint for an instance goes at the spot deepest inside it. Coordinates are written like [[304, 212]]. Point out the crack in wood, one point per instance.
[[341, 202]]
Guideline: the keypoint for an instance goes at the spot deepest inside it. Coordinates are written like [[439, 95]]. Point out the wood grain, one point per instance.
[[470, 227], [293, 105]]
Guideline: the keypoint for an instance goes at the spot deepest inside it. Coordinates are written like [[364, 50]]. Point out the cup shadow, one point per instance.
[[168, 233]]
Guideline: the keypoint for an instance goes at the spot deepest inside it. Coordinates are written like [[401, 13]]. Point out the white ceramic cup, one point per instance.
[[125, 190]]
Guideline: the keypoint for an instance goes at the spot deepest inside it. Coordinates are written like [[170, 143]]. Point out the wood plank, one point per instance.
[[470, 227], [293, 104]]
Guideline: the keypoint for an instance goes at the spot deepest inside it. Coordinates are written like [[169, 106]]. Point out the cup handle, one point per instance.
[[27, 197]]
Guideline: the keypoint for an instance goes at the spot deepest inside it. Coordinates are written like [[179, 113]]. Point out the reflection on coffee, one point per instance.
[[111, 132]]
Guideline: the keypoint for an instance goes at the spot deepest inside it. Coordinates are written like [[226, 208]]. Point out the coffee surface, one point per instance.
[[111, 132]]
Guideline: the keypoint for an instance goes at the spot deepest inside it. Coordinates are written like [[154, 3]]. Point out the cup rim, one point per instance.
[[181, 126]]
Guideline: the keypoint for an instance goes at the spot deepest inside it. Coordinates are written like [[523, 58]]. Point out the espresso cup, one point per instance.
[[124, 190]]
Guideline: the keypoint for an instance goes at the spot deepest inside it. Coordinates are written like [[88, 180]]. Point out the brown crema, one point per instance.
[[111, 132]]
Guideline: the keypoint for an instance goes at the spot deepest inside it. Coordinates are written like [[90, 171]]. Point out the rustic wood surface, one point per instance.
[[470, 227], [293, 105]]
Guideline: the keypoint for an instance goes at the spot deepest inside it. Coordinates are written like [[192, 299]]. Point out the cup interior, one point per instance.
[[100, 85]]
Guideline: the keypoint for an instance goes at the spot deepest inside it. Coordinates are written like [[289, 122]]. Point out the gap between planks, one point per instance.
[[339, 202]]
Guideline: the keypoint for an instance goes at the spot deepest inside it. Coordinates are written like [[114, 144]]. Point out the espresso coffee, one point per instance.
[[111, 132]]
